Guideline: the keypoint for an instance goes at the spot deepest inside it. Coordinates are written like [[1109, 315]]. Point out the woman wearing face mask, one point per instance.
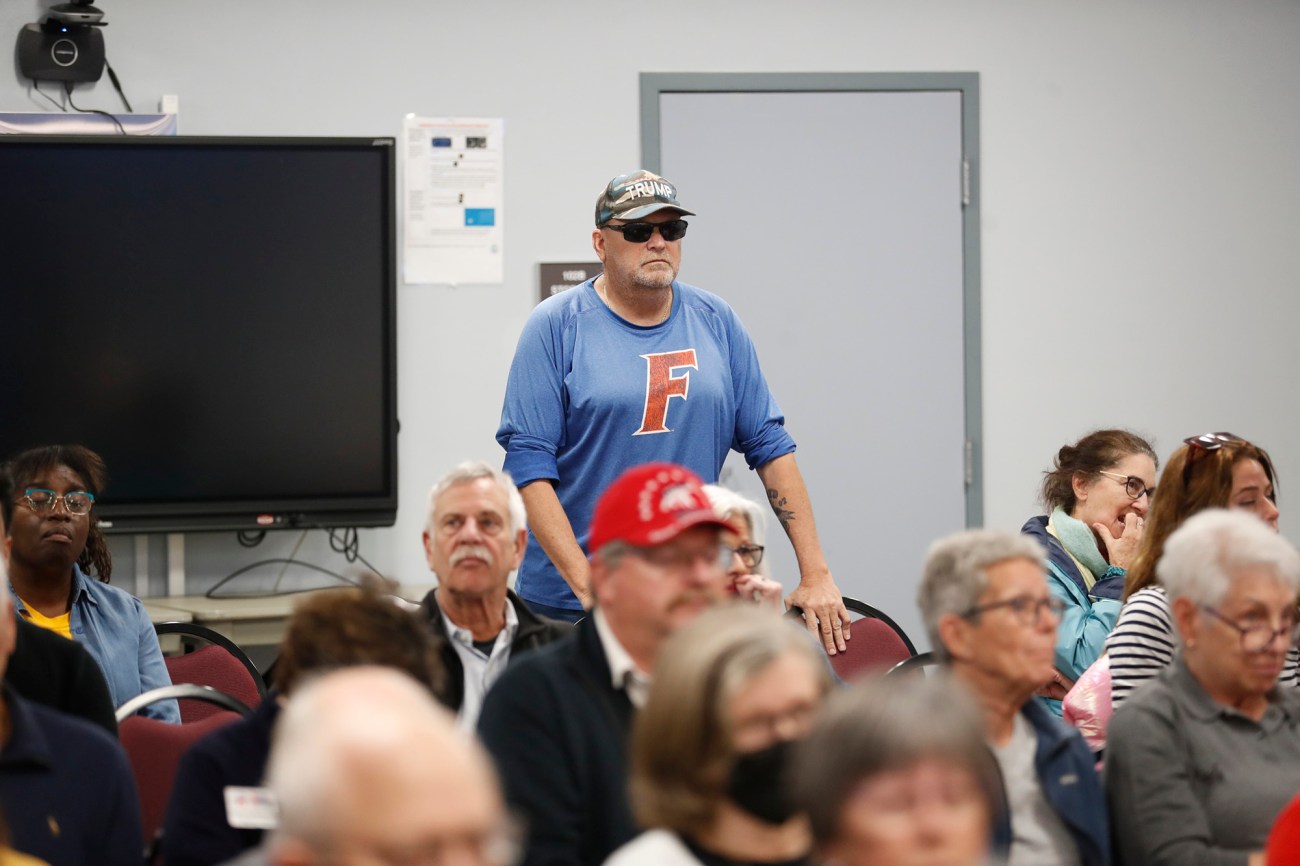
[[1214, 470], [1097, 497], [896, 773], [732, 693]]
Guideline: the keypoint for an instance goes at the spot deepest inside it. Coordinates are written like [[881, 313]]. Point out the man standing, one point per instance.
[[474, 538], [557, 722], [633, 367]]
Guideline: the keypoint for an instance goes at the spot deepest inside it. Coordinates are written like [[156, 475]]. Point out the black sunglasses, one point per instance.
[[1206, 442], [639, 233]]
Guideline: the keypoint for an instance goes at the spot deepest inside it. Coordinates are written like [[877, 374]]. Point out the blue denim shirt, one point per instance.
[[113, 626]]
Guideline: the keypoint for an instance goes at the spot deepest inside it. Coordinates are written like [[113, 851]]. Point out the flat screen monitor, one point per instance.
[[214, 316]]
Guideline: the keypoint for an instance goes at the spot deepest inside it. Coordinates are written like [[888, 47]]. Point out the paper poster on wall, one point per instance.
[[453, 200]]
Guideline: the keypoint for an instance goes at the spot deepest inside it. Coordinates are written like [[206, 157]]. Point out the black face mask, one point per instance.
[[758, 783]]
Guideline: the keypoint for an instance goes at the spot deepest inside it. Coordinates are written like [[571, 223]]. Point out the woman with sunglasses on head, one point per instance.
[[1097, 497], [1214, 470], [1200, 761], [55, 543]]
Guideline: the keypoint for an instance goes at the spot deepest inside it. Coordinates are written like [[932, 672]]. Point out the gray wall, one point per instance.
[[1140, 188]]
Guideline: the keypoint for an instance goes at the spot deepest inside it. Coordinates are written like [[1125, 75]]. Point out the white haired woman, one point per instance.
[[747, 572], [1202, 759], [733, 692]]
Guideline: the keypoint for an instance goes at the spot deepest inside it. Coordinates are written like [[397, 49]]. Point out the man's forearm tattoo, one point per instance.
[[778, 501]]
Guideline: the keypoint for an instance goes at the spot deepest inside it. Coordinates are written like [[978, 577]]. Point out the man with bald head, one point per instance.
[[367, 768]]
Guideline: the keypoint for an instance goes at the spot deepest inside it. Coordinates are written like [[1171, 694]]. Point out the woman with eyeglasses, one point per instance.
[[1097, 496], [747, 572], [55, 546], [733, 694], [1202, 759], [1214, 470]]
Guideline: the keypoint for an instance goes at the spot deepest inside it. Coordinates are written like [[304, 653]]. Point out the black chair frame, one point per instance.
[[212, 636], [185, 691], [915, 663]]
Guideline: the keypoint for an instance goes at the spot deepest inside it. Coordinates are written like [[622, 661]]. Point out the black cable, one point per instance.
[[36, 85], [346, 541], [350, 546], [212, 593], [67, 88], [117, 85]]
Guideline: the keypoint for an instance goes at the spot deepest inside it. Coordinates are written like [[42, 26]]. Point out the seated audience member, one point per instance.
[[367, 768], [733, 693], [896, 773], [10, 857], [66, 788], [328, 630], [748, 571], [52, 671], [54, 541], [1201, 760], [474, 538], [1216, 470], [557, 722], [1097, 496], [992, 618]]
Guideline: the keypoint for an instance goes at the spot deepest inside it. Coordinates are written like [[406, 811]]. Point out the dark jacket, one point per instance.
[[534, 631], [195, 830], [67, 789], [558, 731], [51, 670], [1068, 775]]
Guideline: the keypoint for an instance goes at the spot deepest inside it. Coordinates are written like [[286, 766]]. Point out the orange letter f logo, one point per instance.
[[661, 384]]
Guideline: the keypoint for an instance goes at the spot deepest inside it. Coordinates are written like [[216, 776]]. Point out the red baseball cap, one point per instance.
[[651, 504]]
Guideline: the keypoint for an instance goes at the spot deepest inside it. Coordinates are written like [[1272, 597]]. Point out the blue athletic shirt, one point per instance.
[[590, 395]]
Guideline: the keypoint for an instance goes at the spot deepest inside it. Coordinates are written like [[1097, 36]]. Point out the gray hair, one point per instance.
[[955, 573], [876, 726], [331, 721], [1202, 556], [472, 470], [727, 502]]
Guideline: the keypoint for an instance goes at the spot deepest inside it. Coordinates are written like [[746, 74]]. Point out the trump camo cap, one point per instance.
[[635, 195], [650, 505]]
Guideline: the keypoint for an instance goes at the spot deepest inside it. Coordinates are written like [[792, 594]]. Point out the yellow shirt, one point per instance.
[[58, 624], [10, 857]]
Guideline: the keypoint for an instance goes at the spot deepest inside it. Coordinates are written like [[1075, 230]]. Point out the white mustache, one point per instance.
[[477, 551]]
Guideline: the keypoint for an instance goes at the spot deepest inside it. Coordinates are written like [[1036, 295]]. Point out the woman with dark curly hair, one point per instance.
[[55, 544]]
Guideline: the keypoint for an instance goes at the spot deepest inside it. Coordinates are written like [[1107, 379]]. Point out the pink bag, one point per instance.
[[1087, 706]]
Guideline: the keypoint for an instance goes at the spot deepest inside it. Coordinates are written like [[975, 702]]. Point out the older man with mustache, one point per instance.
[[474, 538], [557, 723]]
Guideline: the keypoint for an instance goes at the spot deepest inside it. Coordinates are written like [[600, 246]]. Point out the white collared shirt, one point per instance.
[[481, 671], [623, 672]]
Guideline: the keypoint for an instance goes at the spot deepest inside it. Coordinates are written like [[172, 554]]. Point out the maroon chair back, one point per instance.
[[154, 750], [874, 648], [212, 666], [877, 645]]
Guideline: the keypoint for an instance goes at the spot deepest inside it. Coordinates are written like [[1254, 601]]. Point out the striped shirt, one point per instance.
[[1143, 642]]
